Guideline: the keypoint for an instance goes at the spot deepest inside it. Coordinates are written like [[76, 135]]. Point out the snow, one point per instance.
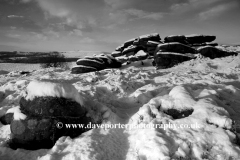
[[41, 89], [137, 95], [18, 66], [17, 114]]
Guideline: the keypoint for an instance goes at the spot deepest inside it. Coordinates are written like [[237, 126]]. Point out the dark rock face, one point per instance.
[[177, 114], [6, 119], [116, 54], [198, 39], [45, 122], [128, 42], [169, 59], [24, 72], [94, 58], [82, 69], [175, 47], [131, 48], [51, 107], [110, 61], [213, 52], [175, 38]]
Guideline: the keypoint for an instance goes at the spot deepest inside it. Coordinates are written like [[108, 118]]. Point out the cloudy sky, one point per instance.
[[102, 25]]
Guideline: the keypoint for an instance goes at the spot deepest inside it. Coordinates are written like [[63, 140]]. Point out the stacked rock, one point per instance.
[[95, 63], [137, 49], [142, 47], [172, 53], [192, 40], [180, 48], [40, 120]]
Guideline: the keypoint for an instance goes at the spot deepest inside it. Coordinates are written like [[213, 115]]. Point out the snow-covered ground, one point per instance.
[[209, 90], [23, 66]]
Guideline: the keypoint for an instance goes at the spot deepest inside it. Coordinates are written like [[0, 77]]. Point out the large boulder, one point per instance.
[[175, 38], [169, 59], [197, 38], [175, 47], [82, 69], [129, 49], [128, 42], [213, 52], [116, 53], [40, 120]]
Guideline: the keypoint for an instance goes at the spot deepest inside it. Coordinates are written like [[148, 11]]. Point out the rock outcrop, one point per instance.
[[128, 49], [95, 63], [175, 48]]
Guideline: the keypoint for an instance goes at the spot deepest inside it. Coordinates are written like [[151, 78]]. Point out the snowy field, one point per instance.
[[208, 90]]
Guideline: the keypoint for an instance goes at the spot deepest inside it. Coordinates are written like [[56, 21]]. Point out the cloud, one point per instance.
[[13, 35], [144, 15], [15, 16], [39, 36], [118, 3], [76, 32], [191, 5], [79, 13], [26, 1], [87, 40], [216, 11], [13, 27]]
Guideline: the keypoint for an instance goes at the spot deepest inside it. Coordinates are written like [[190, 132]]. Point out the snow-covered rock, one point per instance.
[[40, 119]]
